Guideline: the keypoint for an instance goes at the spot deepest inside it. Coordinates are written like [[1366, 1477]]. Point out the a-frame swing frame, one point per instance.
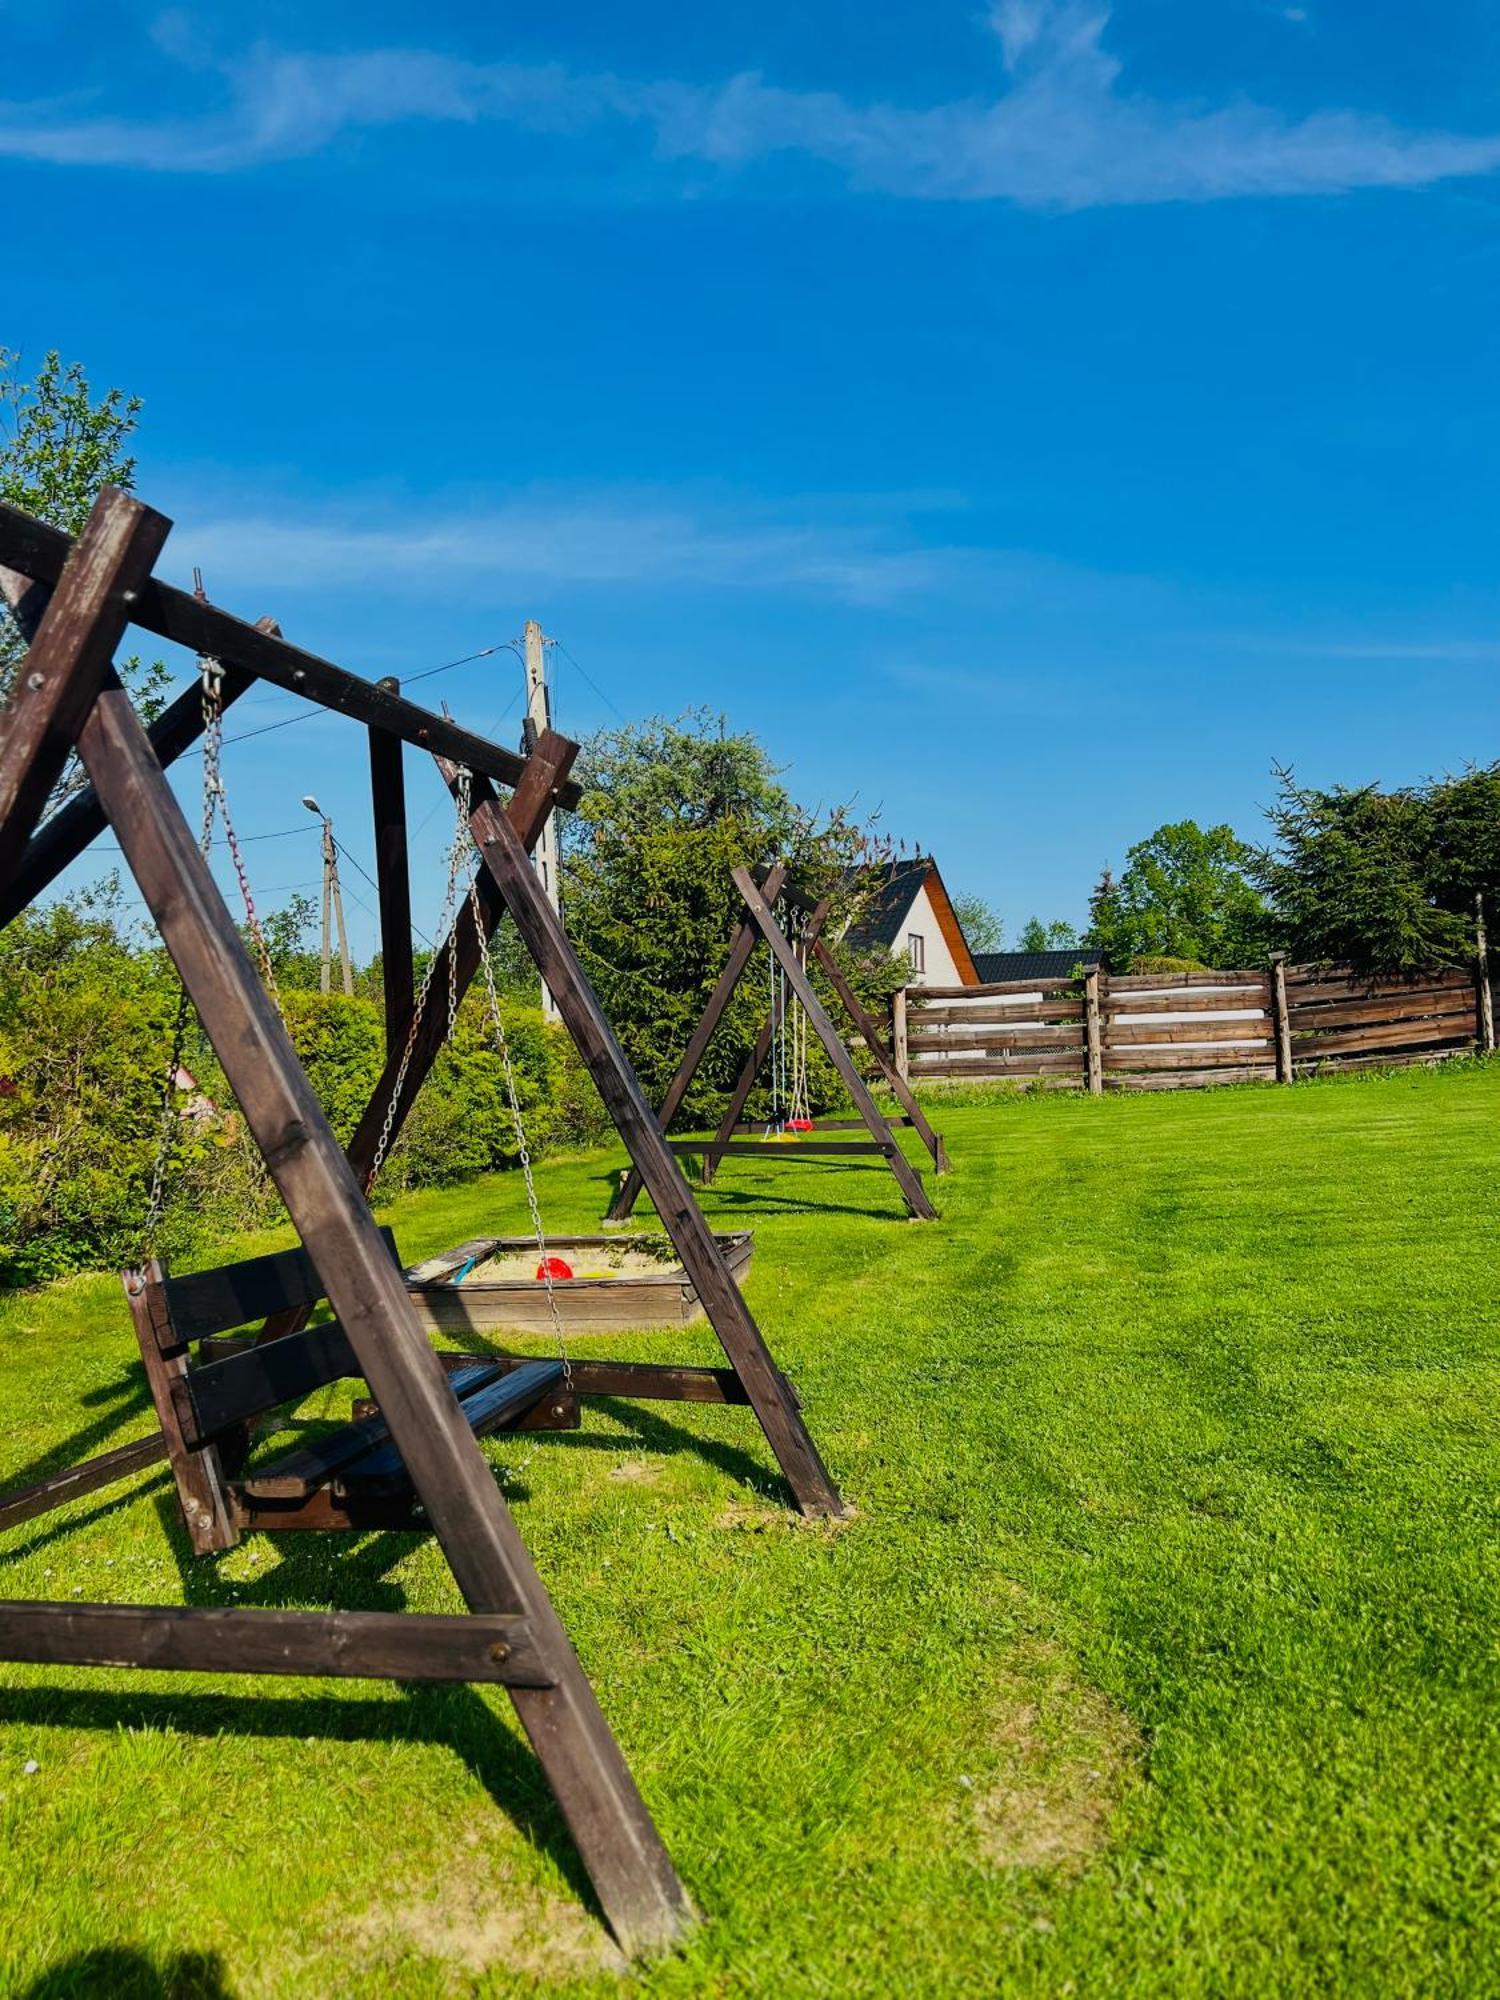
[[760, 891], [74, 603]]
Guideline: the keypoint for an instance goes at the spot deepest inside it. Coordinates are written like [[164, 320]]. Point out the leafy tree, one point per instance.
[[1037, 936], [58, 446], [668, 809], [1186, 893], [980, 922], [1384, 881]]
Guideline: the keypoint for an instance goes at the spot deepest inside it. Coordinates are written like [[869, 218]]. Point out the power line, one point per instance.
[[590, 680]]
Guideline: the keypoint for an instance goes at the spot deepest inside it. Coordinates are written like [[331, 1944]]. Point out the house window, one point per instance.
[[916, 946]]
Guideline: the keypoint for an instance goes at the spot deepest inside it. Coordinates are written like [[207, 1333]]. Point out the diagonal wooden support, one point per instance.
[[906, 1179], [692, 1056], [637, 1886], [755, 1062], [895, 1082], [66, 662], [771, 1395]]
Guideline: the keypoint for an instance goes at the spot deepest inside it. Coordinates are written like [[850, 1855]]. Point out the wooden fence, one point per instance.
[[1170, 1030]]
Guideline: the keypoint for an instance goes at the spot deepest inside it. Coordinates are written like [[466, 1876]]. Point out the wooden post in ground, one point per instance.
[[900, 1053], [1482, 976], [1093, 1037], [1281, 1018]]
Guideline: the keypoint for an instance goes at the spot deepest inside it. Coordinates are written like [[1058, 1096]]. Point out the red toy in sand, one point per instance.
[[554, 1268]]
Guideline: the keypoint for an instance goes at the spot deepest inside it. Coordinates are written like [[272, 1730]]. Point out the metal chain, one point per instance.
[[216, 799], [799, 1105], [513, 1098]]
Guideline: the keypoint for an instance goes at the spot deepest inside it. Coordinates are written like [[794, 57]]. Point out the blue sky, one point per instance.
[[1035, 421]]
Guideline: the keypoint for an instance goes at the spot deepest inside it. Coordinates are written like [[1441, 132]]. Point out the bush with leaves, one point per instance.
[[668, 810], [1384, 881]]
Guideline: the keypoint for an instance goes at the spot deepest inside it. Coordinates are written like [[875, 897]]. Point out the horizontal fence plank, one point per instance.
[[997, 1039], [1120, 1034], [1369, 985], [1192, 1079], [1373, 1013], [1036, 1061], [1022, 1009], [1396, 1035], [1160, 982], [1386, 1059], [1176, 1058], [1053, 985], [1245, 1000]]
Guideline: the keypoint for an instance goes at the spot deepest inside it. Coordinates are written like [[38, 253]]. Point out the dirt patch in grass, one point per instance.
[[1067, 1757], [475, 1916], [636, 1472]]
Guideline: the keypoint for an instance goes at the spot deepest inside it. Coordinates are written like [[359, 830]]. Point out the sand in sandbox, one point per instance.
[[514, 1266]]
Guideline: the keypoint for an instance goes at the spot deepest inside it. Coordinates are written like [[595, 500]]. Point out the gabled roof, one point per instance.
[[887, 891], [994, 966]]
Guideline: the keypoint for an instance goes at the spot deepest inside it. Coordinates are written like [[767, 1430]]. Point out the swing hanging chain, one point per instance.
[[216, 799], [513, 1099]]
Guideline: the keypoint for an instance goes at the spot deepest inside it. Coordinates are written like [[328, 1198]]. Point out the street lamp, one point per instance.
[[333, 902]]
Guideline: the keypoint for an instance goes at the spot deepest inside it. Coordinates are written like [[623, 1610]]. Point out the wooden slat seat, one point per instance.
[[362, 1454]]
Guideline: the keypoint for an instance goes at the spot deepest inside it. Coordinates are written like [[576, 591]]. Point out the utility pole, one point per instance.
[[333, 901], [539, 717]]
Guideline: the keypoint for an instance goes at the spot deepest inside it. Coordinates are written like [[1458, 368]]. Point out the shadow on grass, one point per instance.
[[644, 1216], [124, 1974], [654, 1434], [124, 1397]]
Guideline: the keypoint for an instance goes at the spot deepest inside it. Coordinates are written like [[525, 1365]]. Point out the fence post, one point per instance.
[[898, 1034], [1482, 976], [1093, 1043], [1280, 1018]]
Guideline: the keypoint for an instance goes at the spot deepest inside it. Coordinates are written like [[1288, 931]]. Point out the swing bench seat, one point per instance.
[[349, 1477]]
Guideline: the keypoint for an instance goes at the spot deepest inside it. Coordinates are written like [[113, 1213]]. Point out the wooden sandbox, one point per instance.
[[619, 1283]]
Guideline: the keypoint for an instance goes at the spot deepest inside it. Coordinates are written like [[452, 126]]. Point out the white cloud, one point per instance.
[[618, 539], [1063, 134]]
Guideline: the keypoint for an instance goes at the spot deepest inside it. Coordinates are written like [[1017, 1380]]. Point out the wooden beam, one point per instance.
[[68, 832], [392, 875], [347, 1645], [24, 1503], [770, 1393], [734, 968], [40, 552], [637, 1886], [906, 1179], [783, 1149], [66, 661]]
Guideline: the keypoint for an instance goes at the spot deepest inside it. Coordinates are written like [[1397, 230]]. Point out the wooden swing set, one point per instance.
[[761, 891], [409, 1458]]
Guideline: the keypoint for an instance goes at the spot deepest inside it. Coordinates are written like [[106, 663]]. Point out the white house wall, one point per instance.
[[941, 966]]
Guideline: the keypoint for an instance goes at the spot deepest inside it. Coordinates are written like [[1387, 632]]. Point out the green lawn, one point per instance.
[[1159, 1658]]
